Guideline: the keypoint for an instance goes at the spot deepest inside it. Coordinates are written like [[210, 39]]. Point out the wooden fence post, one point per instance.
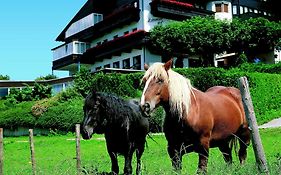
[[251, 118], [78, 155], [32, 151], [1, 151]]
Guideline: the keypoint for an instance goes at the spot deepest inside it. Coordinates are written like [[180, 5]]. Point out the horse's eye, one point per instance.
[[159, 81]]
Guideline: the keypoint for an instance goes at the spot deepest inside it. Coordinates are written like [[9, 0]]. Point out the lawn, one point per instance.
[[56, 155]]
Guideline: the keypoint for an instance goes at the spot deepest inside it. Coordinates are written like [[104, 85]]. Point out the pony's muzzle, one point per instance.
[[146, 109]]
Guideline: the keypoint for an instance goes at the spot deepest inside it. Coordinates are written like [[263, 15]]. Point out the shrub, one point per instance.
[[262, 68], [63, 116], [17, 115]]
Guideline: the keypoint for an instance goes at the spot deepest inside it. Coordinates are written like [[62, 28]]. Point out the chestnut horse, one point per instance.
[[195, 120]]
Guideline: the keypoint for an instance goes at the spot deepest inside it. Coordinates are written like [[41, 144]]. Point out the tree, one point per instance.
[[47, 77], [4, 77], [207, 36], [203, 36]]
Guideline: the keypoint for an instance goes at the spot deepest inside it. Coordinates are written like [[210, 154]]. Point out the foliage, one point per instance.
[[64, 110], [206, 36], [16, 115], [4, 77], [47, 77], [63, 116], [37, 92], [83, 81], [262, 68]]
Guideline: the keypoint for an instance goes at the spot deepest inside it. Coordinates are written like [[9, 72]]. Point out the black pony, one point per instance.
[[123, 124]]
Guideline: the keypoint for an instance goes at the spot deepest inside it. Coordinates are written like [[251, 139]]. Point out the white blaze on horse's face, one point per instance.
[[154, 92]]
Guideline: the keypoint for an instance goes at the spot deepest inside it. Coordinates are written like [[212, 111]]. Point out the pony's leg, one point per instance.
[[128, 162], [203, 152], [244, 142], [114, 163], [139, 153], [176, 157], [226, 152]]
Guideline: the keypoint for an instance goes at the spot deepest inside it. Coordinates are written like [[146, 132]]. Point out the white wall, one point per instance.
[[220, 15], [147, 19]]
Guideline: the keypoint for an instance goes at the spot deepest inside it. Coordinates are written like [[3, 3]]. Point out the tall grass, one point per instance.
[[56, 155]]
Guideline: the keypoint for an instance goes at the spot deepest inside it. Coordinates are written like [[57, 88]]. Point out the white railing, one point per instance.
[[75, 47], [83, 24]]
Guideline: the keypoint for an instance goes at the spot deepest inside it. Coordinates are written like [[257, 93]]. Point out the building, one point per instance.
[[111, 33]]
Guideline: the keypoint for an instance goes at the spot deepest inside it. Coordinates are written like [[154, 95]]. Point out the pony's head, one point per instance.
[[164, 86], [94, 121]]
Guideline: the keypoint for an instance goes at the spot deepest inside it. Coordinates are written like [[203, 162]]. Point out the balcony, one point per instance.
[[83, 24], [176, 10], [73, 48]]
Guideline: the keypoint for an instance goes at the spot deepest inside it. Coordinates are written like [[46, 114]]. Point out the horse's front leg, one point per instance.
[[114, 163], [176, 156], [203, 152]]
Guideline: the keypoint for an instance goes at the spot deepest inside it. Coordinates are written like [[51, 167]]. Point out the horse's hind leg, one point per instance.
[[139, 153], [226, 152], [244, 141], [176, 157]]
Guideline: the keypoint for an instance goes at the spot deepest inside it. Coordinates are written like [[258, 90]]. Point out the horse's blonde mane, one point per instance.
[[179, 87]]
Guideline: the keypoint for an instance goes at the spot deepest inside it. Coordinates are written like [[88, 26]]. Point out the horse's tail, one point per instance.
[[234, 144]]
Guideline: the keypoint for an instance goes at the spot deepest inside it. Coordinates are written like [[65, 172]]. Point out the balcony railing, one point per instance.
[[83, 24], [75, 47]]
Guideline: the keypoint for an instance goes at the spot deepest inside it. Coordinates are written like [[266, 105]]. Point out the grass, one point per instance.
[[56, 155]]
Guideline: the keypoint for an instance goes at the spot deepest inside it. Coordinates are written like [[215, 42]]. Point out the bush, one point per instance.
[[262, 68], [16, 115], [63, 116], [64, 110]]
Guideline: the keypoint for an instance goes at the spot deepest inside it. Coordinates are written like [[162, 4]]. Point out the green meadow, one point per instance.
[[56, 155]]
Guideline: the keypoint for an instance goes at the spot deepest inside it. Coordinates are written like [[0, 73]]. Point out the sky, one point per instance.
[[28, 29]]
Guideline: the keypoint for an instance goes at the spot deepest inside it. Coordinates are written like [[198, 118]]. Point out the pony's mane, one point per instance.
[[179, 87]]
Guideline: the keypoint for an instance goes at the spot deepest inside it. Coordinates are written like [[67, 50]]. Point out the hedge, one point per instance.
[[63, 114]]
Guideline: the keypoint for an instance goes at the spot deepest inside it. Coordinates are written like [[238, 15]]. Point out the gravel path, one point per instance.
[[272, 124]]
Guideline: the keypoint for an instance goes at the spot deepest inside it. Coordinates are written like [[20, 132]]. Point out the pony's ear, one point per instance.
[[168, 64], [146, 67]]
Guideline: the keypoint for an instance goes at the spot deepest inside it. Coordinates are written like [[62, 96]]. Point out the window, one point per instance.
[[104, 41], [246, 9], [127, 32], [234, 9], [98, 43], [225, 8], [116, 36], [116, 64], [218, 8], [107, 66], [255, 11], [137, 62], [134, 29], [98, 68], [250, 10], [126, 63], [221, 7], [241, 10]]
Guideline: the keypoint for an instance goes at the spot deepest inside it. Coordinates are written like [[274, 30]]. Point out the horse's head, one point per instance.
[[156, 81], [94, 121]]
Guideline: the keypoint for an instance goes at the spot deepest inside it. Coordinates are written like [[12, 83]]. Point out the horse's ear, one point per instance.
[[146, 67], [168, 64]]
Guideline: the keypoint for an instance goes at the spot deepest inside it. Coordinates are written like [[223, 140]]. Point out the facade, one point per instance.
[[111, 34]]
